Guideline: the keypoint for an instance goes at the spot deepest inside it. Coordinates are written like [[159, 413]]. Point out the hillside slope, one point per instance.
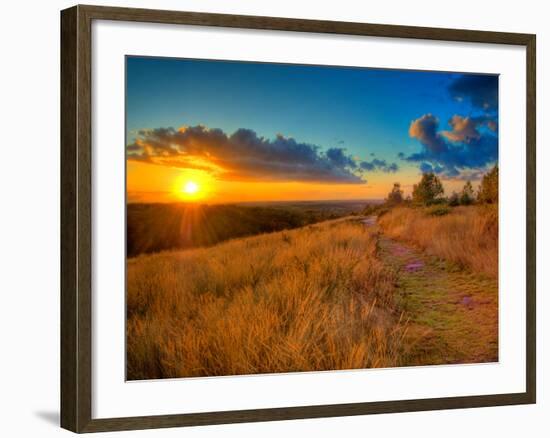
[[315, 298], [342, 294]]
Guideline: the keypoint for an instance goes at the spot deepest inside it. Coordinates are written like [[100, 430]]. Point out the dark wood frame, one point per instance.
[[76, 243]]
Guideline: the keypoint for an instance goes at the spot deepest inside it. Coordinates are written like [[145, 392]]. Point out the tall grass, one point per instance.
[[314, 298], [467, 236]]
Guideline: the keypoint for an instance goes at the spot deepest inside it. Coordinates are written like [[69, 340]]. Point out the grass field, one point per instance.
[[467, 236], [315, 298], [413, 289]]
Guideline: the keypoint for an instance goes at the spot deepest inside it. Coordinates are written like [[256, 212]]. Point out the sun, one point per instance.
[[191, 188]]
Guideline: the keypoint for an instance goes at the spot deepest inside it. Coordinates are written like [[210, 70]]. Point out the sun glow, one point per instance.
[[191, 187]]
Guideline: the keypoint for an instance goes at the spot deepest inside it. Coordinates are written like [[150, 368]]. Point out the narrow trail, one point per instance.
[[453, 313]]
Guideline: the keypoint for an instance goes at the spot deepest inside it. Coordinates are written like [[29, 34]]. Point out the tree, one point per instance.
[[488, 190], [396, 194], [429, 190], [467, 194], [454, 200]]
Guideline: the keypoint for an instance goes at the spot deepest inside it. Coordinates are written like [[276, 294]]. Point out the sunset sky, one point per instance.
[[219, 131]]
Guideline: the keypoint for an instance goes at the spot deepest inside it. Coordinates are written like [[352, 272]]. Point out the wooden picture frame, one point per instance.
[[76, 218]]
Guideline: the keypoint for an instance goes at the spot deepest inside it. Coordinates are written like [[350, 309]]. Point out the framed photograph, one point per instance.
[[268, 218]]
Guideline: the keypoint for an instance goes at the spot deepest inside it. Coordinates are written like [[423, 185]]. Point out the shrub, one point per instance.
[[374, 210], [454, 200], [438, 210]]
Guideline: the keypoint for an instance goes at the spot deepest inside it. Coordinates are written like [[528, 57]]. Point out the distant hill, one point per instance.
[[157, 227]]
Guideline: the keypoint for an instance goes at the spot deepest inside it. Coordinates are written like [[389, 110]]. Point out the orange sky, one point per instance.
[[160, 183]]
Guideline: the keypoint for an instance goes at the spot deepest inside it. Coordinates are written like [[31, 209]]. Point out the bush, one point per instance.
[[454, 200], [439, 210], [374, 210]]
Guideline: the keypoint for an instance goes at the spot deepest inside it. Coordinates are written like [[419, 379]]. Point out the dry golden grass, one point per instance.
[[467, 236], [314, 298]]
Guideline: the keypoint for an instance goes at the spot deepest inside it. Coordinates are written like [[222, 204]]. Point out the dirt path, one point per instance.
[[453, 313]]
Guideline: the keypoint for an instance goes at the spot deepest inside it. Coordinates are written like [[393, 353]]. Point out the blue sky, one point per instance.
[[415, 120]]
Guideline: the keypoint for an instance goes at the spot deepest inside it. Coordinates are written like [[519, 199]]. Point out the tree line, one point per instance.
[[429, 191]]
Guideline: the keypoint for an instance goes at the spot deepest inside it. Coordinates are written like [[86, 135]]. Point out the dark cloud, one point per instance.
[[480, 90], [377, 164], [425, 130], [470, 145], [338, 157], [243, 155]]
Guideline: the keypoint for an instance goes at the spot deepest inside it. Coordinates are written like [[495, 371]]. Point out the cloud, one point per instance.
[[469, 146], [338, 157], [466, 129], [244, 155], [425, 130], [480, 90], [427, 167], [377, 164]]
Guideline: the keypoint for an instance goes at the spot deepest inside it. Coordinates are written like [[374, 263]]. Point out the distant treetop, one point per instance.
[[429, 190]]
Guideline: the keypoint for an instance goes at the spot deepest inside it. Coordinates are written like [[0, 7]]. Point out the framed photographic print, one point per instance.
[[268, 218]]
